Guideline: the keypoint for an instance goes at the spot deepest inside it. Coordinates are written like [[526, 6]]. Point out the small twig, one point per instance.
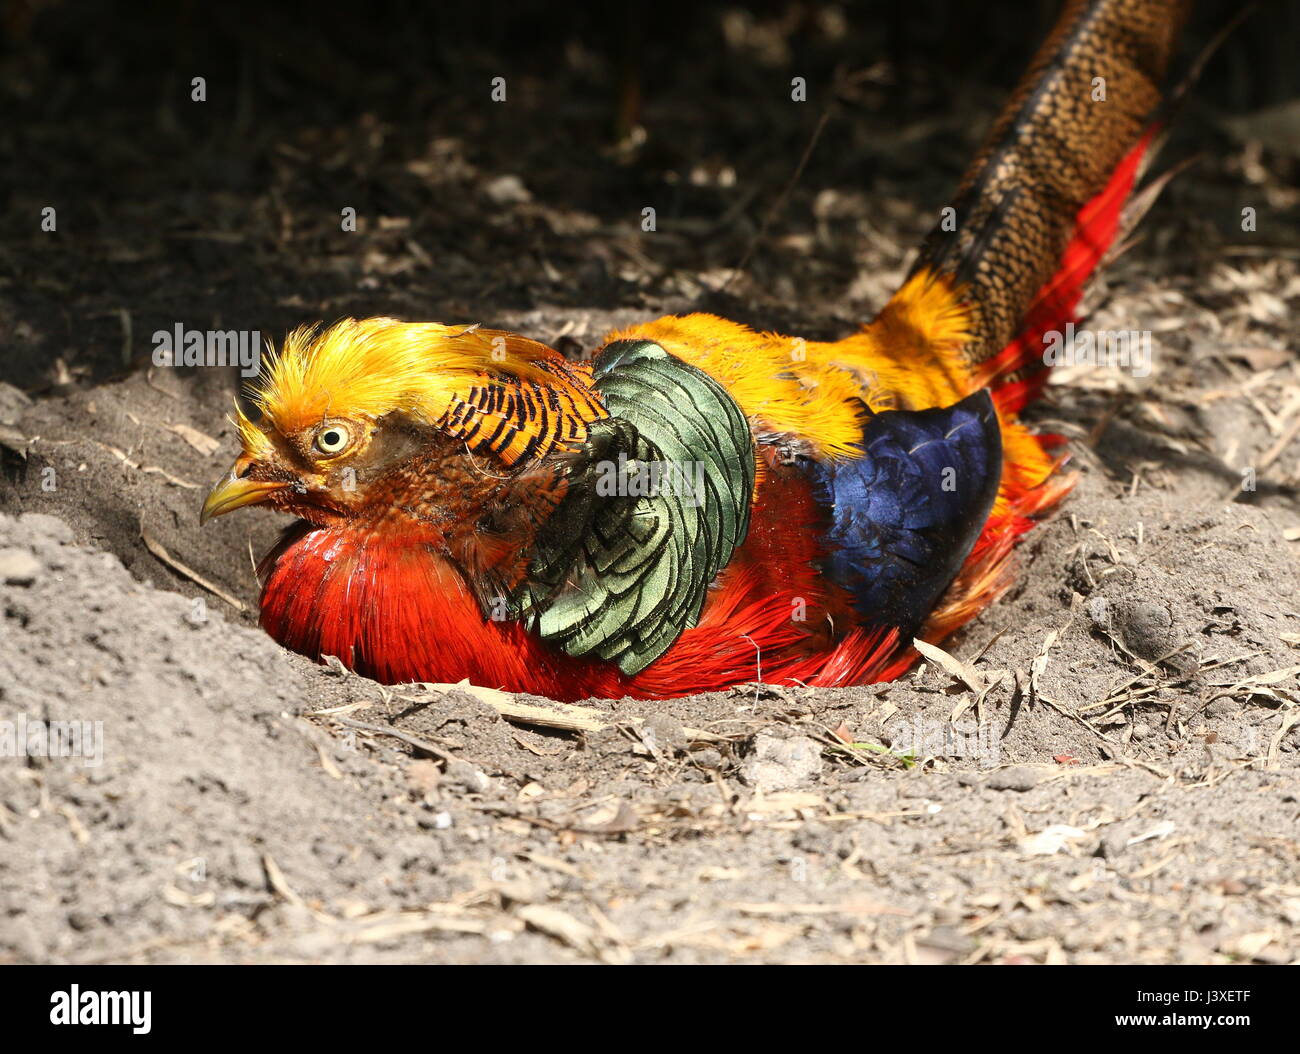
[[405, 737], [779, 204], [1283, 441], [123, 457], [124, 318], [565, 716], [160, 551]]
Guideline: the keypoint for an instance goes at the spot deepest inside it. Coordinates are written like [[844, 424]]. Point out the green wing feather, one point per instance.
[[657, 502]]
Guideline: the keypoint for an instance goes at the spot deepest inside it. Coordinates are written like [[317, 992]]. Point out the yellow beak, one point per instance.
[[232, 491]]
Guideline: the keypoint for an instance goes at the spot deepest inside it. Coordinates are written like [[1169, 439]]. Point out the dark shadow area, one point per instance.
[[227, 212]]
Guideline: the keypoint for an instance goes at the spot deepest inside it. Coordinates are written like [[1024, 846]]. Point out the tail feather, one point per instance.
[[1018, 371], [1045, 203], [1044, 198]]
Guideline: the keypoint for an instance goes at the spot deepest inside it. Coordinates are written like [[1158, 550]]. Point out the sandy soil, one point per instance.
[[1102, 770]]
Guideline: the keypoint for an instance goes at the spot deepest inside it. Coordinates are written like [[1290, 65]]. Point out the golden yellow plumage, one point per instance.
[[907, 358], [366, 369]]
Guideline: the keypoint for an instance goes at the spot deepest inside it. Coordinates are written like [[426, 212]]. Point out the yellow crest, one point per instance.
[[439, 374]]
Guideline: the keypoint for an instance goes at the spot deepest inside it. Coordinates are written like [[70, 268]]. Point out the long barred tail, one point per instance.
[[1044, 199]]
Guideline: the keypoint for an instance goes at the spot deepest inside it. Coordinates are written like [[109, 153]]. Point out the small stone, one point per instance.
[[1098, 611], [780, 764], [1147, 628], [463, 774], [18, 567], [664, 733], [81, 921]]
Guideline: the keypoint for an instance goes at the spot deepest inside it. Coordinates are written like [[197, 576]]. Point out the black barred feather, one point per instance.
[[1053, 148]]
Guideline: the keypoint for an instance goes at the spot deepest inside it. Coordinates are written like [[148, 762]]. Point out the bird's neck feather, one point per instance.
[[391, 607]]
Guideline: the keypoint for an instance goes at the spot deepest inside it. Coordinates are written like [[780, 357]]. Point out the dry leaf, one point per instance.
[[200, 441], [966, 674]]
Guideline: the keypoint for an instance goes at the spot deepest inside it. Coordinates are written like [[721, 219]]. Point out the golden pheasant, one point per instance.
[[701, 504]]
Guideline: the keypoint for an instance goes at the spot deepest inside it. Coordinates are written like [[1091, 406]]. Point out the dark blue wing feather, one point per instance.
[[904, 515]]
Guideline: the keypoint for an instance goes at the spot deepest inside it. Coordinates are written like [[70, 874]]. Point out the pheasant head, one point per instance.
[[411, 431]]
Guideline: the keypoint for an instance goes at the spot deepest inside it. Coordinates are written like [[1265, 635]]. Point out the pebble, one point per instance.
[[463, 774], [780, 764]]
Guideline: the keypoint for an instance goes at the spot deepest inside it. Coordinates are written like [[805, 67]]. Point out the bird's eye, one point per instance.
[[332, 438]]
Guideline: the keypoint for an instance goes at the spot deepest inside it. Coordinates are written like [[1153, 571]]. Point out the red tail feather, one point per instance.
[[1018, 373]]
